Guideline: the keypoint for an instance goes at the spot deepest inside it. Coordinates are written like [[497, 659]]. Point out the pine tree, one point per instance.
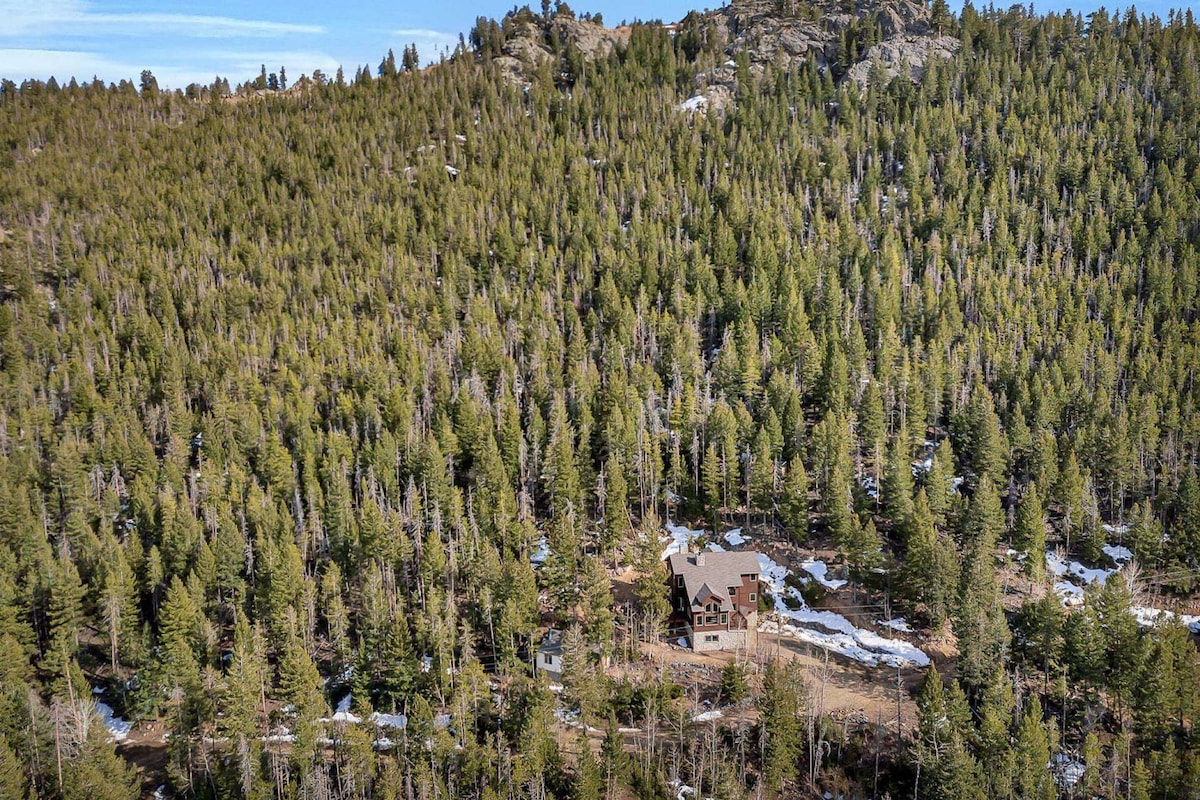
[[1145, 537], [1035, 743], [13, 781], [178, 637], [1122, 644], [983, 524], [614, 763], [795, 500], [300, 682], [898, 482], [762, 473], [1164, 694], [98, 773], [992, 737], [588, 783], [616, 502], [561, 474], [1029, 533], [1068, 494], [929, 572], [979, 624], [938, 480], [243, 692], [781, 705], [1083, 648]]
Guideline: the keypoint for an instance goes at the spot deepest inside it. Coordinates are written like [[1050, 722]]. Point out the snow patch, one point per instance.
[[678, 539], [828, 630], [1071, 594], [869, 485], [1148, 617], [343, 714], [398, 721], [281, 734], [1067, 771], [1118, 553], [897, 624], [708, 716], [697, 103], [819, 571], [734, 538], [1076, 571], [681, 790], [539, 556], [118, 729]]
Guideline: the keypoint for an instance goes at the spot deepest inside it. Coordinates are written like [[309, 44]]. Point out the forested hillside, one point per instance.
[[319, 405]]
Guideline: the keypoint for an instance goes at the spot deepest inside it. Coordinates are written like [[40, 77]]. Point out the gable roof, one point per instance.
[[712, 577], [552, 642]]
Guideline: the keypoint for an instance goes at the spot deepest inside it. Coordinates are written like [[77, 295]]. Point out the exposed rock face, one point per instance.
[[898, 35], [789, 33], [527, 48], [902, 55], [594, 41]]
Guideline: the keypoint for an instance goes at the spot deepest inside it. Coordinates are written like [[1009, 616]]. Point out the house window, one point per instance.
[[732, 592], [712, 639], [724, 619], [679, 581], [549, 659], [753, 597], [698, 618], [711, 619]]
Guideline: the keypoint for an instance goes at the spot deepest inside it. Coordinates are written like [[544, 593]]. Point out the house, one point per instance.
[[714, 597], [548, 658]]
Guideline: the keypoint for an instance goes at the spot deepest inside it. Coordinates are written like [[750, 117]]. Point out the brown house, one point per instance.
[[714, 597]]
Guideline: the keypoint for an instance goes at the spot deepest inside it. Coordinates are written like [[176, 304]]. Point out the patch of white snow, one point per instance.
[[828, 630], [819, 570], [118, 729]]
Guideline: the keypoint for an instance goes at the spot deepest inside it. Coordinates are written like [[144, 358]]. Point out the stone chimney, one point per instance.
[[698, 559]]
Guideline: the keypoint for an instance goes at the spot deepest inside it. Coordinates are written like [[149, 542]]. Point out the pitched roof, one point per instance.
[[713, 576], [552, 642]]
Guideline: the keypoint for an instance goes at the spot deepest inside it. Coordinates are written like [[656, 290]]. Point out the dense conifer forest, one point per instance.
[[321, 401]]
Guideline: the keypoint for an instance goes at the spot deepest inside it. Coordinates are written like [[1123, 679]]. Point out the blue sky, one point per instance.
[[183, 41]]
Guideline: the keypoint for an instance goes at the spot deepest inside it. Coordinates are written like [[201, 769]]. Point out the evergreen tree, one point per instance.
[[783, 701], [929, 573], [1029, 533]]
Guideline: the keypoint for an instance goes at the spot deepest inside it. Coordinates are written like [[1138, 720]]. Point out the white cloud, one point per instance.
[[424, 33], [245, 65], [21, 63], [430, 43], [70, 17]]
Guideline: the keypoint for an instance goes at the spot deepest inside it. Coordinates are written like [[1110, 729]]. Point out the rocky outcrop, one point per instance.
[[788, 33], [902, 55], [594, 41], [526, 48], [849, 37]]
